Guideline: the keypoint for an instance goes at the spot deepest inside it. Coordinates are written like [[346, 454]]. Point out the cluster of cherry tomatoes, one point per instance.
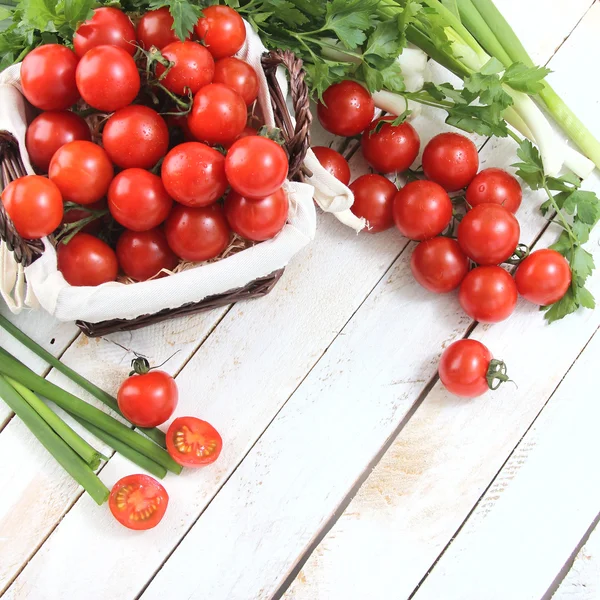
[[463, 241], [147, 201]]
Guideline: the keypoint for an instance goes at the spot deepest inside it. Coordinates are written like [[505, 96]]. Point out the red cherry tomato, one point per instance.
[[34, 205], [194, 174], [86, 260], [192, 442], [488, 294], [439, 264], [107, 78], [422, 210], [256, 167], [155, 28], [48, 77], [333, 162], [135, 136], [543, 277], [347, 108], [257, 220], [374, 201], [138, 502], [82, 171], [138, 200], [489, 234], [51, 130], [495, 186], [391, 148], [451, 160], [78, 213], [239, 76], [143, 254], [222, 30], [108, 27], [148, 399], [218, 114], [197, 234], [193, 67], [464, 368]]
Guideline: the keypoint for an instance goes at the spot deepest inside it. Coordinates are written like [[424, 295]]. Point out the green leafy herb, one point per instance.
[[185, 15]]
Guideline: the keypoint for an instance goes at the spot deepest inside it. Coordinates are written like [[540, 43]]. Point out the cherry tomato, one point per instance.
[[347, 108], [86, 260], [439, 264], [192, 442], [333, 162], [495, 186], [488, 294], [391, 148], [422, 210], [543, 277], [138, 502], [107, 78], [82, 171], [256, 167], [222, 30], [138, 200], [374, 201], [34, 205], [148, 399], [51, 130], [108, 27], [143, 254], [48, 77], [451, 160], [489, 234], [194, 174], [247, 131], [464, 368], [257, 220], [218, 114], [239, 76], [135, 136], [193, 67], [155, 28], [78, 213], [197, 234]]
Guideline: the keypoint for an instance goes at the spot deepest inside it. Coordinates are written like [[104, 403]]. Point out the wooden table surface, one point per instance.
[[347, 470]]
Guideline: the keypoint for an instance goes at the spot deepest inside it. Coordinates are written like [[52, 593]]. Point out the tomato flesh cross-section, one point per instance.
[[138, 502], [192, 442]]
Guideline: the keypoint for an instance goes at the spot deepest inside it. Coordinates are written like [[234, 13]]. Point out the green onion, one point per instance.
[[155, 434], [60, 450]]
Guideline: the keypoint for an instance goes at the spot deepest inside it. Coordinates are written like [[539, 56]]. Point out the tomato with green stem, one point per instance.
[[87, 261], [333, 162], [93, 213], [239, 76], [155, 28], [222, 30], [374, 201], [439, 264], [495, 186], [543, 277], [192, 442], [346, 108], [192, 67], [138, 502], [108, 27]]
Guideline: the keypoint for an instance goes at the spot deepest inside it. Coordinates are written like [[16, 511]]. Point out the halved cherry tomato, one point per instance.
[[86, 260], [464, 367], [192, 442], [239, 76], [193, 67], [138, 502], [374, 201], [333, 162], [222, 30], [347, 108], [155, 28], [439, 264], [108, 27], [497, 187], [543, 277]]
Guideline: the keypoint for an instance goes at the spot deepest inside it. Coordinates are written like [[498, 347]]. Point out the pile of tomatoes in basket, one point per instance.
[[147, 146]]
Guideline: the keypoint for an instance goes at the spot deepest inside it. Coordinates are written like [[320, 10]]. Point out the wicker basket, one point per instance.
[[297, 142]]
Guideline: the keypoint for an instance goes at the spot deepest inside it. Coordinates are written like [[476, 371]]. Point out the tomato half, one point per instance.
[[135, 136], [488, 294], [489, 234], [48, 77], [193, 67], [422, 210], [392, 147], [194, 174], [51, 130], [222, 30], [347, 108], [239, 76], [497, 187], [108, 27], [107, 78], [543, 277], [82, 171], [155, 28], [138, 502], [374, 201], [333, 162], [86, 260], [464, 368], [451, 160], [192, 442], [256, 166], [439, 264], [34, 204]]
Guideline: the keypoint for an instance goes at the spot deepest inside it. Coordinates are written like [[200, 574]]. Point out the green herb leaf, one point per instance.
[[350, 19], [393, 79], [185, 15], [565, 306], [525, 79], [383, 45]]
